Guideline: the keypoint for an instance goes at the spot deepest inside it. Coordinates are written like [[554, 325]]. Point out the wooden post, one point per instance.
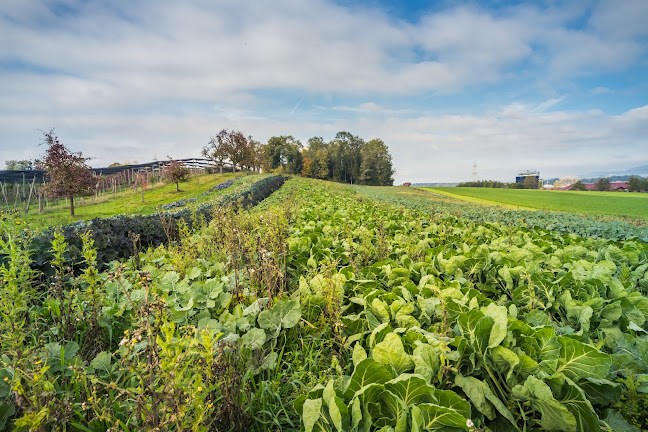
[[31, 192], [4, 194]]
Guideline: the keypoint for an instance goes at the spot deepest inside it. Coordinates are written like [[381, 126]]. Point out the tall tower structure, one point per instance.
[[474, 171]]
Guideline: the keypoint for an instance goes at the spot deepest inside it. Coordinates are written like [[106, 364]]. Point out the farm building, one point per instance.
[[520, 177], [614, 186]]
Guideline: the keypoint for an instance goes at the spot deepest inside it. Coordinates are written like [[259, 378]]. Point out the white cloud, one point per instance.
[[125, 81]]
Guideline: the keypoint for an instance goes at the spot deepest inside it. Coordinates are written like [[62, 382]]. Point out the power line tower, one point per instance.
[[474, 171]]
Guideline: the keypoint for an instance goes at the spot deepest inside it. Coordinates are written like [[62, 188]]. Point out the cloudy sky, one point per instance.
[[560, 86]]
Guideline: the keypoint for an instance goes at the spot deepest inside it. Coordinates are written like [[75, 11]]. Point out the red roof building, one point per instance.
[[614, 186]]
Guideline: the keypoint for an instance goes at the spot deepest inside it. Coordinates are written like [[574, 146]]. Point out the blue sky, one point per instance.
[[558, 86]]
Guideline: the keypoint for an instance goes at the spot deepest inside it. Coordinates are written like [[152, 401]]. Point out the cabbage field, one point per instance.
[[331, 308]]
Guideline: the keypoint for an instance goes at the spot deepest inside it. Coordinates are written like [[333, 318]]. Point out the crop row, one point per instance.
[[564, 223], [323, 310]]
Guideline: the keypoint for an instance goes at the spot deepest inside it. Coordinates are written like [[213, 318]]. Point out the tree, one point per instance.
[[219, 148], [636, 184], [530, 182], [376, 164], [346, 157], [307, 167], [67, 173], [176, 172], [141, 181], [602, 184], [283, 153], [18, 165], [579, 186]]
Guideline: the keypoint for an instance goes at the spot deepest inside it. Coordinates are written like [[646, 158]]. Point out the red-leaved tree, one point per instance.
[[68, 175], [176, 172]]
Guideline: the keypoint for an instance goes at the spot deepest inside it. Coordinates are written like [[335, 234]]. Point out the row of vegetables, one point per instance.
[[322, 309], [475, 326]]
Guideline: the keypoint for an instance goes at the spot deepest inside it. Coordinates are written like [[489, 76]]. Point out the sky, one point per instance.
[[558, 86]]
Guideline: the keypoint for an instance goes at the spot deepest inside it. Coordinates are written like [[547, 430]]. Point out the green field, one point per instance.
[[127, 202], [614, 204]]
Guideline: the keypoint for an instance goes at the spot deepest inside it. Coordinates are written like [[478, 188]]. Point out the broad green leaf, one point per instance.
[[412, 389], [289, 312], [254, 338], [477, 327], [270, 321], [549, 345], [359, 354], [499, 314], [554, 416], [450, 399], [379, 333], [388, 410], [505, 359], [7, 410], [601, 391], [356, 413], [368, 371], [617, 423], [391, 351], [101, 361], [574, 399], [578, 360], [193, 273], [338, 411], [483, 398], [6, 375], [311, 413], [434, 417], [380, 310], [255, 307], [426, 361]]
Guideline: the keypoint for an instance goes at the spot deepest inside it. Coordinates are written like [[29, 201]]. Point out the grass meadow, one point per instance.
[[127, 202], [627, 205]]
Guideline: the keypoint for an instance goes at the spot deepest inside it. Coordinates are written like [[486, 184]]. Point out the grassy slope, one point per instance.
[[616, 204], [128, 202]]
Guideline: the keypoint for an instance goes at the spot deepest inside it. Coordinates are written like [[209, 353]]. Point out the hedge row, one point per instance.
[[117, 237]]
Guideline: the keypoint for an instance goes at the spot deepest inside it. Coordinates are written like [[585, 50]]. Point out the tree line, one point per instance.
[[347, 158], [528, 183], [635, 184]]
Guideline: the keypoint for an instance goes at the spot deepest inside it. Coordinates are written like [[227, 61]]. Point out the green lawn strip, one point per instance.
[[616, 204], [128, 202], [474, 199]]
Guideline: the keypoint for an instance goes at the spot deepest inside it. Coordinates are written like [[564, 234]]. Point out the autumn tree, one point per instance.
[[241, 151], [68, 175], [176, 172], [219, 148]]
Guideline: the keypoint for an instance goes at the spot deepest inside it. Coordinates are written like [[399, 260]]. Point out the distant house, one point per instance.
[[407, 184], [618, 186]]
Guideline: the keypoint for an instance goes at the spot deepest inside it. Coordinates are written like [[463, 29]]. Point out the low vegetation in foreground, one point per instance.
[[330, 308]]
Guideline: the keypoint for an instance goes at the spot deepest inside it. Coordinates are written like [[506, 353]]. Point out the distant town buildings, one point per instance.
[[526, 174]]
